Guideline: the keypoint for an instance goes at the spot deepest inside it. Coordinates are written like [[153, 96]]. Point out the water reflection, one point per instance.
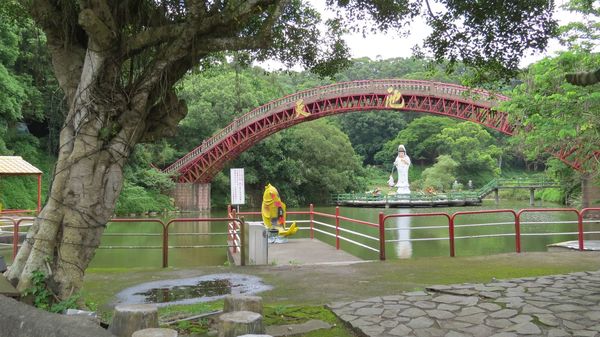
[[192, 290], [404, 245], [209, 288], [139, 244]]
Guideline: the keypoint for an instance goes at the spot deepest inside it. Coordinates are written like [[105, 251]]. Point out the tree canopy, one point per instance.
[[548, 105]]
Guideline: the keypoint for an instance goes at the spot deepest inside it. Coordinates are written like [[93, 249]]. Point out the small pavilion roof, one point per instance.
[[15, 165]]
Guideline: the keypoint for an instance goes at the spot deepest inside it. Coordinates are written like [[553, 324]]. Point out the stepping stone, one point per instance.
[[129, 318], [239, 323], [243, 303]]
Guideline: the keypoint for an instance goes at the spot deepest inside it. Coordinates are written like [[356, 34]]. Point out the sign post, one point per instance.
[[238, 196]]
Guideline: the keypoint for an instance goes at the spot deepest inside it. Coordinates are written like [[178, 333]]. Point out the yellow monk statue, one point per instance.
[[274, 212]]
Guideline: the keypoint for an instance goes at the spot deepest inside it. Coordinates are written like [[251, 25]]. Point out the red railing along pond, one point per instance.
[[373, 234]]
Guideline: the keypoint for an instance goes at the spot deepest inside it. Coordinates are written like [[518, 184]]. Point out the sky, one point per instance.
[[391, 45]]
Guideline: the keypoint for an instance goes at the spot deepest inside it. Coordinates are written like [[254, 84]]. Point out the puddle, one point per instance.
[[177, 293], [192, 290]]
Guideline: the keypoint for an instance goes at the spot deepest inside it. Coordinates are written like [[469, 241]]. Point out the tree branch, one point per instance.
[[67, 52], [164, 116], [197, 8], [105, 14], [181, 49], [197, 24], [430, 11], [151, 37], [211, 45], [97, 30], [45, 15], [584, 79], [266, 30]]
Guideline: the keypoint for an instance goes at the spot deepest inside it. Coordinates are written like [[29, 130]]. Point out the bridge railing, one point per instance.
[[535, 182], [487, 188], [375, 86], [411, 197], [527, 182]]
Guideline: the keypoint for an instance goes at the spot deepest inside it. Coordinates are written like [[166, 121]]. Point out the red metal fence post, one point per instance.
[[518, 233], [580, 229], [242, 225], [337, 227], [312, 218], [451, 234], [582, 213], [381, 237], [165, 245]]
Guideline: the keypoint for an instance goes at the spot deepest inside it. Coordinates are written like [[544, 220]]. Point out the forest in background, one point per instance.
[[311, 161]]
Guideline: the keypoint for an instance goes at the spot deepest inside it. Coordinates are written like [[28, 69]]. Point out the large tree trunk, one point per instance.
[[67, 231], [87, 181]]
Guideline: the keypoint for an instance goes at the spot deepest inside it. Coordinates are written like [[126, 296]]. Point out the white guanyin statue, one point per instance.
[[402, 163]]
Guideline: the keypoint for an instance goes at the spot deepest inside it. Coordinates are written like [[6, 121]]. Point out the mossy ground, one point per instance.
[[299, 292], [285, 314]]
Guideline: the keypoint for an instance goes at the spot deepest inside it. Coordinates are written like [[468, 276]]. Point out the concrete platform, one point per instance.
[[588, 245], [306, 252]]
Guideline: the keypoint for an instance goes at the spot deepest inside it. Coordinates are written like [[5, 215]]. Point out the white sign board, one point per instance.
[[237, 186]]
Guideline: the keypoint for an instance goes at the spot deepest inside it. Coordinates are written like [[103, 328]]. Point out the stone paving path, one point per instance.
[[555, 306]]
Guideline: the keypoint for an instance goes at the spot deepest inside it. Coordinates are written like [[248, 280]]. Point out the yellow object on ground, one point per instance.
[[288, 231], [274, 212]]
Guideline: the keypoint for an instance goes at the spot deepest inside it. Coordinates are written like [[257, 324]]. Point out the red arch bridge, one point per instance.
[[197, 168]]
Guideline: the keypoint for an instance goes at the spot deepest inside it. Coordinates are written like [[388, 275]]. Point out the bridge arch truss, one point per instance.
[[443, 99]]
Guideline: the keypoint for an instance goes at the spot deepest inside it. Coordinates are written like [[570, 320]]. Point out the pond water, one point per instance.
[[538, 230], [146, 236]]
